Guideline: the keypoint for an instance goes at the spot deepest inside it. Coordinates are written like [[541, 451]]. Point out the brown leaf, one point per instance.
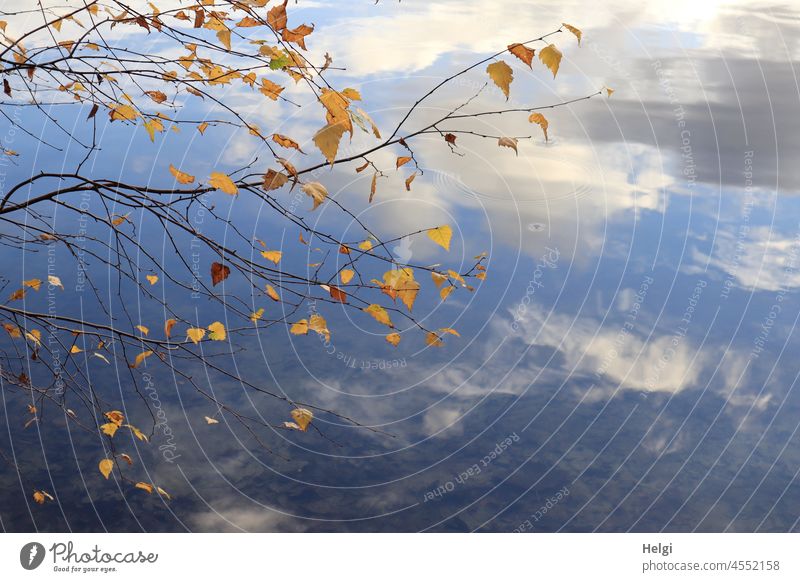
[[286, 142], [274, 180], [508, 142], [297, 35], [522, 52], [276, 17], [219, 273]]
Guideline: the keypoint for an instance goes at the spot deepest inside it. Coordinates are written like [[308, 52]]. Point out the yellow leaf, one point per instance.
[[156, 96], [224, 37], [346, 276], [438, 278], [270, 89], [299, 328], [123, 112], [140, 358], [574, 31], [33, 284], [303, 417], [502, 75], [152, 126], [522, 52], [210, 420], [318, 324], [127, 458], [217, 331], [286, 142], [143, 329], [101, 356], [139, 434], [449, 330], [35, 336], [115, 416], [541, 120], [365, 245], [380, 314], [274, 256], [551, 58], [456, 276], [508, 142], [41, 496], [327, 140], [402, 160], [609, 91], [441, 236], [181, 177], [12, 330], [109, 428], [400, 283], [256, 315], [106, 466], [316, 191], [168, 326], [120, 219], [272, 293], [223, 182], [17, 295], [445, 292], [75, 350], [145, 486], [202, 128], [153, 279], [433, 340], [164, 493], [393, 338], [274, 180]]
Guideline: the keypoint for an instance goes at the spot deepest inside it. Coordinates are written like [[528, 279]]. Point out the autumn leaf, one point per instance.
[[217, 331], [299, 328], [365, 245], [141, 358], [441, 235], [137, 433], [508, 142], [12, 330], [210, 420], [153, 126], [380, 314], [35, 336], [273, 256], [541, 120], [400, 283], [393, 338], [106, 466], [202, 128], [153, 279], [274, 180], [409, 180], [522, 52], [17, 295], [438, 278], [346, 275], [318, 324], [168, 326], [502, 75], [402, 160], [223, 182], [316, 191], [256, 315], [609, 91], [156, 96], [449, 330], [181, 177], [551, 58], [41, 496], [337, 294], [34, 284], [270, 89], [271, 293], [75, 350], [276, 17], [433, 340], [195, 334], [144, 486], [143, 329], [574, 31], [286, 142], [327, 140], [445, 292], [115, 416], [109, 428], [219, 273], [297, 35], [303, 417], [123, 112]]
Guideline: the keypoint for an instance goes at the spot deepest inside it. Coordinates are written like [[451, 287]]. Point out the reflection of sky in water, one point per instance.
[[636, 330]]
